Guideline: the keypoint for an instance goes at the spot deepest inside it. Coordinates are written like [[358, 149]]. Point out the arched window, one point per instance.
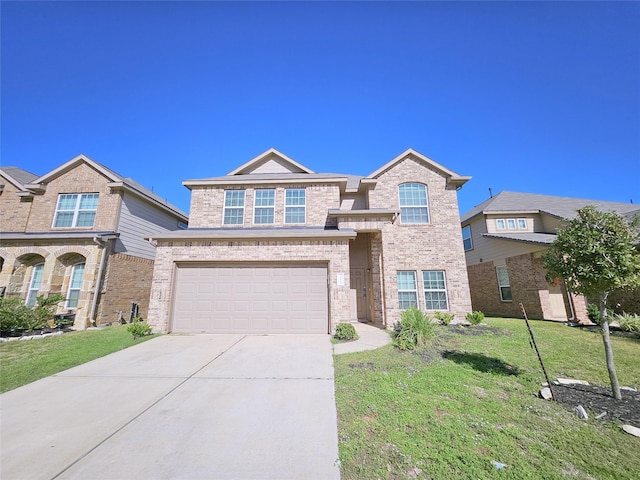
[[414, 206], [34, 285], [75, 285]]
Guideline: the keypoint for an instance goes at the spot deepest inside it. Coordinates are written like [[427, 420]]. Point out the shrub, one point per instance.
[[15, 315], [475, 317], [415, 329], [345, 332], [594, 313], [444, 317], [139, 328], [628, 322]]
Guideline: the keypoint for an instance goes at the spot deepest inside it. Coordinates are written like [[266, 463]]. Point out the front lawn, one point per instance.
[[24, 361], [468, 401]]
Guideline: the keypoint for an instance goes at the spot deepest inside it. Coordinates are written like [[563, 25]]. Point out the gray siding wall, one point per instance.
[[139, 219]]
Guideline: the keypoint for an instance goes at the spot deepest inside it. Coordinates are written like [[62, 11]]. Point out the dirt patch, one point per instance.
[[598, 399], [479, 330]]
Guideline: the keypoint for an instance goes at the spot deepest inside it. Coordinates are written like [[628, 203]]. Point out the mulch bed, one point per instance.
[[598, 399]]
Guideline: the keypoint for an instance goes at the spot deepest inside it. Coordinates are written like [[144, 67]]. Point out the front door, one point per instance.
[[360, 284]]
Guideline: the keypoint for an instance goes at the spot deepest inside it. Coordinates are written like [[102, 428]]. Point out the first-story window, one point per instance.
[[233, 207], [34, 285], [503, 284], [75, 285], [435, 290], [407, 291]]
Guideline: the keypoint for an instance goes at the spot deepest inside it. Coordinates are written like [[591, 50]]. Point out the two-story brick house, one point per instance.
[[80, 230], [504, 240], [274, 247]]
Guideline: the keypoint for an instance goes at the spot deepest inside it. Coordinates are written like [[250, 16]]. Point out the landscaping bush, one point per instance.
[[444, 317], [475, 317], [594, 313], [15, 316], [628, 322], [138, 328], [415, 329], [345, 332]]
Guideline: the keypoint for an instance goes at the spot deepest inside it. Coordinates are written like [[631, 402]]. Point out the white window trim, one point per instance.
[[426, 206], [284, 219], [33, 289], [425, 290], [225, 207], [468, 227], [523, 220], [76, 210], [500, 286], [79, 289], [414, 291], [501, 221], [273, 207]]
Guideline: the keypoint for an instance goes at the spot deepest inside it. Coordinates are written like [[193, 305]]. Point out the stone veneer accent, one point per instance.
[[334, 252]]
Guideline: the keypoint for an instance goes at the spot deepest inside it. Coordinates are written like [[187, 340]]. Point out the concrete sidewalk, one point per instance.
[[180, 407], [371, 337]]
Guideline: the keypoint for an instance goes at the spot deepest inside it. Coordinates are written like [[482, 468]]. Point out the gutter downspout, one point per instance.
[[103, 258]]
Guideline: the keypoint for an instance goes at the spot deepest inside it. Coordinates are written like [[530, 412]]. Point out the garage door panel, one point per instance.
[[251, 299]]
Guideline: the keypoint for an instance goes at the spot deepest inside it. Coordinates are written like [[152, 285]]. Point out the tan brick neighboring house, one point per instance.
[[504, 239], [80, 230], [274, 247]]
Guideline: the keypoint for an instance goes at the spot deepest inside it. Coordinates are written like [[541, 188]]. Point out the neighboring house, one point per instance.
[[504, 239], [80, 230], [274, 247]]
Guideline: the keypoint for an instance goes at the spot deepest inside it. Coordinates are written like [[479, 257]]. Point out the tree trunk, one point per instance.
[[608, 350]]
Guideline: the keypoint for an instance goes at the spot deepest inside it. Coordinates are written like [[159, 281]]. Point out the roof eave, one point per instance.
[[249, 234]]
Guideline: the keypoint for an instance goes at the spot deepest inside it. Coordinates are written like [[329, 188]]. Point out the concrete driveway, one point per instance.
[[180, 407]]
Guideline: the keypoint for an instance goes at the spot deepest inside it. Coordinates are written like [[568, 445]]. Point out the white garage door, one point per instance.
[[251, 299]]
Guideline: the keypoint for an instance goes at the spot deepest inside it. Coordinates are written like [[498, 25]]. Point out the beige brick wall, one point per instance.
[[82, 179], [14, 212], [127, 279], [207, 205], [334, 252], [436, 246]]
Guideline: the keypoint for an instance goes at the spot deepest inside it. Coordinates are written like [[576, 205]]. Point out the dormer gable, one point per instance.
[[270, 161], [451, 177]]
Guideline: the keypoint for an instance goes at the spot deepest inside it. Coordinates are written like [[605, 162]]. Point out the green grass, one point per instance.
[[24, 361], [433, 415]]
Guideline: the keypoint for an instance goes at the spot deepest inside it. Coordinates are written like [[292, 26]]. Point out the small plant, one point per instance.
[[444, 317], [345, 332], [475, 317], [138, 328], [594, 313], [415, 329], [629, 322]]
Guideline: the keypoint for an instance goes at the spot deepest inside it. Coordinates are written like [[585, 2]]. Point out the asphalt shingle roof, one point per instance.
[[562, 207]]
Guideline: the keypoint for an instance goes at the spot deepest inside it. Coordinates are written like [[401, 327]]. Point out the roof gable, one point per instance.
[[451, 176], [271, 161], [73, 163]]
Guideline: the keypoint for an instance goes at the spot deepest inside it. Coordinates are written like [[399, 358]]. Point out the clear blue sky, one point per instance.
[[539, 97]]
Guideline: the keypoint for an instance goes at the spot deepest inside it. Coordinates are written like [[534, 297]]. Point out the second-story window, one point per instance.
[[76, 210], [264, 206], [466, 238], [294, 205], [414, 206], [233, 207]]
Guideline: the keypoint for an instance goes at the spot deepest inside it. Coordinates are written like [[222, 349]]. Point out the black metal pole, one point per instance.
[[533, 343]]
